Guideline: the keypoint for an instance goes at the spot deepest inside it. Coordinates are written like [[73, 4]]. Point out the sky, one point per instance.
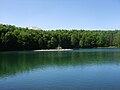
[[62, 14]]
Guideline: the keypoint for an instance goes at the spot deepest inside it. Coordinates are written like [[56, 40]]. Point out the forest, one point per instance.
[[17, 38]]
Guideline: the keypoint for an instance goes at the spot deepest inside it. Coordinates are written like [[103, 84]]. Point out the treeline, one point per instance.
[[17, 38]]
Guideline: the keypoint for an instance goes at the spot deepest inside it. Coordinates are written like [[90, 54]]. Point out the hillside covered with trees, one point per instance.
[[17, 38]]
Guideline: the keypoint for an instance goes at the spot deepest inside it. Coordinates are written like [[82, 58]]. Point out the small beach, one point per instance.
[[54, 50]]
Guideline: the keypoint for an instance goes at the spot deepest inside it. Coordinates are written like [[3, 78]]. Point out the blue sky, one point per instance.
[[61, 14]]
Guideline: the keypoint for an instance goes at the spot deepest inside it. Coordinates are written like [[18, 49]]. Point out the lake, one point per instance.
[[83, 69]]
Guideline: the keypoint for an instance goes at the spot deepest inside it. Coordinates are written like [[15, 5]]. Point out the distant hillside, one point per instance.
[[35, 28]]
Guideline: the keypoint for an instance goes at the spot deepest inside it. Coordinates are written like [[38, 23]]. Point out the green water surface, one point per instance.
[[83, 69]]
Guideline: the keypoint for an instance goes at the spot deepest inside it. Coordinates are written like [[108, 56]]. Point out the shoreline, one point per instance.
[[53, 50], [63, 49]]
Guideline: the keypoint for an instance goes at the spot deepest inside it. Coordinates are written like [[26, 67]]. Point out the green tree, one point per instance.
[[10, 41], [117, 39], [52, 43]]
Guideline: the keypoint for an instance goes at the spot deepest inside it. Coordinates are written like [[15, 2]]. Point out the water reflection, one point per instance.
[[20, 62]]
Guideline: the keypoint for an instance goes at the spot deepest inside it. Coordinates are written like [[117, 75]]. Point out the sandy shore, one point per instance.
[[54, 50]]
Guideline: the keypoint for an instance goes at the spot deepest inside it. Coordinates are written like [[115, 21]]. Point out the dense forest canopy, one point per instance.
[[17, 38]]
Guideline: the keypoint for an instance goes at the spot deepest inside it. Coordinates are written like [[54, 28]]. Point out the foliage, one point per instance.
[[16, 38]]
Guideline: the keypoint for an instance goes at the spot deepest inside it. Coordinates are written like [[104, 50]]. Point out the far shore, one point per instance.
[[54, 50]]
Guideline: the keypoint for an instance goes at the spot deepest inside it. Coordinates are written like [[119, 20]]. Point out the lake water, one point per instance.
[[84, 69]]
